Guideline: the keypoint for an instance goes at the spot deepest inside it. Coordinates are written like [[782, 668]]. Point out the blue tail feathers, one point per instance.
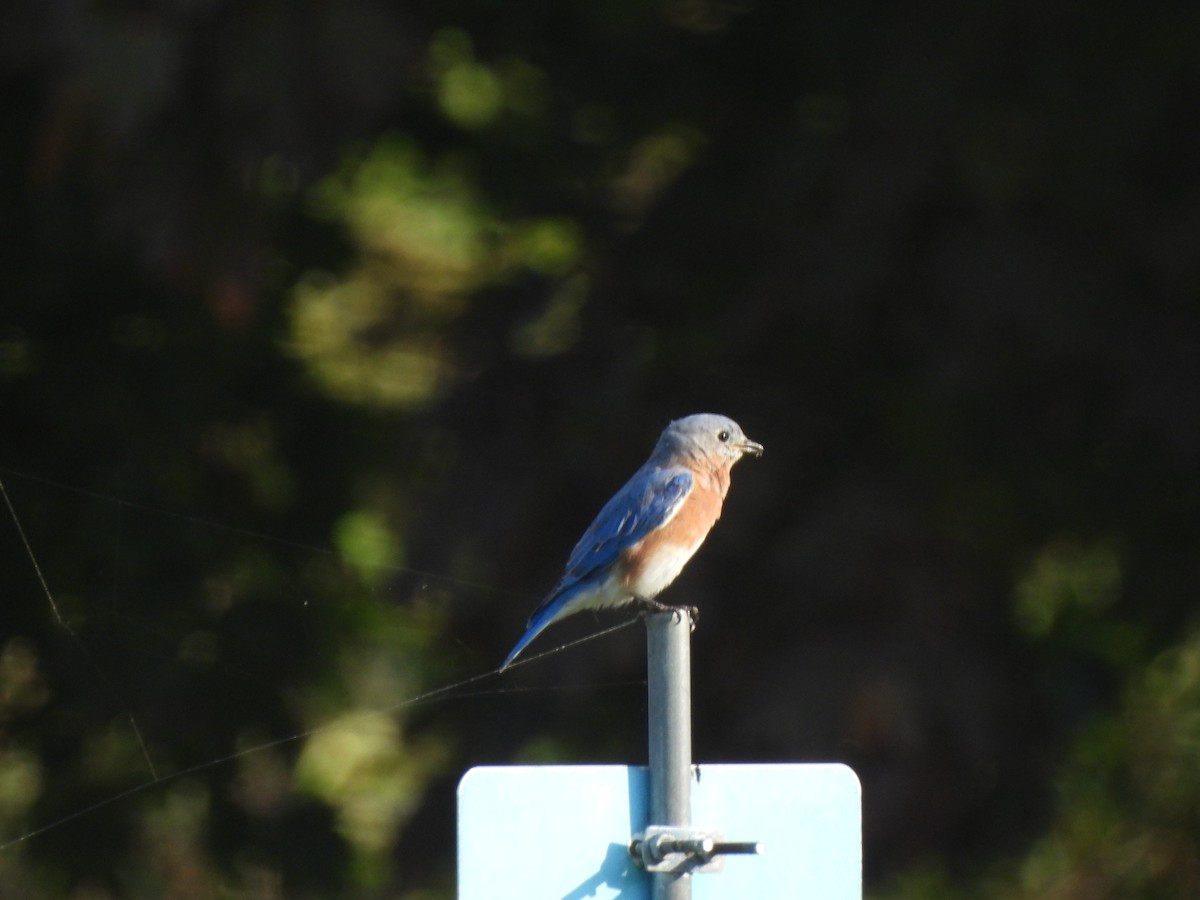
[[554, 607], [536, 625]]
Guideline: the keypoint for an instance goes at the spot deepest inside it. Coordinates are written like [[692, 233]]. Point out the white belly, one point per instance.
[[660, 569], [608, 593]]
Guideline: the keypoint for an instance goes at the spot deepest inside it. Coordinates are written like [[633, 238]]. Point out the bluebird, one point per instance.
[[647, 532]]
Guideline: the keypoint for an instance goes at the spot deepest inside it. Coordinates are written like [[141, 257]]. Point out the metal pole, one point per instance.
[[669, 674]]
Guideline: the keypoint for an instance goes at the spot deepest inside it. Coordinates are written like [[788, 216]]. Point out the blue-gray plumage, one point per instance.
[[645, 534]]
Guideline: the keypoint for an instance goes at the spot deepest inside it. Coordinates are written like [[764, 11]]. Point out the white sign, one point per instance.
[[533, 832]]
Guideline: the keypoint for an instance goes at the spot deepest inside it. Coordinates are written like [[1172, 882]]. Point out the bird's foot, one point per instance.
[[653, 606]]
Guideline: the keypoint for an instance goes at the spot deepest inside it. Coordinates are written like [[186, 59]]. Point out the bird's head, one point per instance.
[[709, 436]]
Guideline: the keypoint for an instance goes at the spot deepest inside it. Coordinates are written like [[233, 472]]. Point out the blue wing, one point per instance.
[[645, 503]]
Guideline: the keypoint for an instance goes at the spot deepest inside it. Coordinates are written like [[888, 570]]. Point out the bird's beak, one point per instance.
[[752, 448]]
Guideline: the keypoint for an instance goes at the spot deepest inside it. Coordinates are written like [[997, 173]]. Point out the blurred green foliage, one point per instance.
[[1126, 800], [427, 244], [327, 327]]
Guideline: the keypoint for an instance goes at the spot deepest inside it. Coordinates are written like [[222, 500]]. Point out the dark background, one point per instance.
[[326, 328]]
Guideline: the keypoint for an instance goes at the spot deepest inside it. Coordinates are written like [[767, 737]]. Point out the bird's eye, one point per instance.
[[722, 436]]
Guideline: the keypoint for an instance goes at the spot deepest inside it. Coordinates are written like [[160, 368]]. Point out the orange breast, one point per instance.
[[654, 562]]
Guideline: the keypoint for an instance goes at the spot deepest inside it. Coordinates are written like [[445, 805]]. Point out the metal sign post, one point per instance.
[[669, 686], [669, 847], [669, 655]]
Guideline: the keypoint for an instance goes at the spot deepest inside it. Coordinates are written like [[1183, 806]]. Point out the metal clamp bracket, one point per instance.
[[664, 849]]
